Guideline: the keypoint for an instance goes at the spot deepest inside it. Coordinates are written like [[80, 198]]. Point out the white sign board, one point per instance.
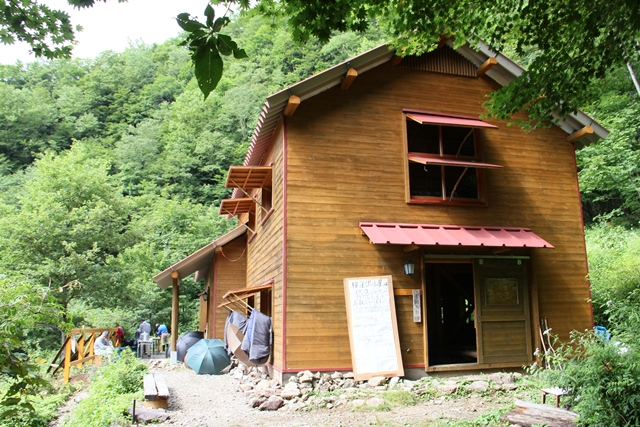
[[373, 329]]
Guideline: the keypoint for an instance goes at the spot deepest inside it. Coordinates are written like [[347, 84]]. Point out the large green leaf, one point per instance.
[[188, 24], [208, 67]]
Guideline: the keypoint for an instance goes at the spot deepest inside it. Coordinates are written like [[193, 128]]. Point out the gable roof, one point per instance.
[[504, 72]]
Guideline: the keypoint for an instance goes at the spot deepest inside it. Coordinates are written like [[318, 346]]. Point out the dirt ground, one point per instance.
[[215, 400]]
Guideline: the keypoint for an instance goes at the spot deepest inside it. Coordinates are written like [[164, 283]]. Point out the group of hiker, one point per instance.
[[103, 346]]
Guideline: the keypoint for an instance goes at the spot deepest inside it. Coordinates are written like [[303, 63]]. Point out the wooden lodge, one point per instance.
[[380, 164]]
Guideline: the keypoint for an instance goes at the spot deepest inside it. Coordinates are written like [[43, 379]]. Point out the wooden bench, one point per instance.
[[156, 392]]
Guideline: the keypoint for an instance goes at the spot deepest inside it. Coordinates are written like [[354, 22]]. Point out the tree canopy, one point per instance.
[[573, 42]]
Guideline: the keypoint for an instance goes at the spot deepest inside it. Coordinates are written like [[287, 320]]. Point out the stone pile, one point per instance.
[[323, 390]]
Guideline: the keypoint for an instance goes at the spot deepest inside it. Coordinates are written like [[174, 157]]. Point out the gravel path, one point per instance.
[[214, 400]]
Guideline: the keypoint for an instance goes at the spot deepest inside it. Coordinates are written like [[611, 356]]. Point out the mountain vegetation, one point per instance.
[[112, 169]]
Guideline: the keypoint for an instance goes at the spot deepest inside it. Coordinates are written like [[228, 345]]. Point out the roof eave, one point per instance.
[[198, 260]]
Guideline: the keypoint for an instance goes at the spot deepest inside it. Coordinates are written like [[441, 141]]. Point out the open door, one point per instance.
[[502, 312], [450, 299]]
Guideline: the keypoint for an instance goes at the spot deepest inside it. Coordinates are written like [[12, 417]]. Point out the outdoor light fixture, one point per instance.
[[409, 267], [205, 296]]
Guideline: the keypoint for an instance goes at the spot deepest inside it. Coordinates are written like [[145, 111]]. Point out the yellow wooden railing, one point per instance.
[[78, 349]]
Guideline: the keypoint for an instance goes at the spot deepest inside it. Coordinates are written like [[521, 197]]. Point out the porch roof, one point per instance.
[[198, 262], [451, 235]]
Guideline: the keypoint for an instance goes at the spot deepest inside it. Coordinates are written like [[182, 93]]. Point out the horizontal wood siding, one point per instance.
[[264, 251], [346, 164], [229, 267]]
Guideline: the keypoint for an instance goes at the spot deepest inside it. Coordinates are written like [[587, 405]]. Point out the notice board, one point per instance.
[[373, 328]]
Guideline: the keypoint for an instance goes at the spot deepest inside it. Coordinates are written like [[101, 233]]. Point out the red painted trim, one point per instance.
[[440, 201], [284, 242], [584, 240], [214, 291], [291, 370]]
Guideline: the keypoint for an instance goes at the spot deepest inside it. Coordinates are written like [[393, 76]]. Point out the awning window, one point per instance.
[[236, 206], [451, 235], [249, 177], [449, 120], [237, 296], [427, 159]]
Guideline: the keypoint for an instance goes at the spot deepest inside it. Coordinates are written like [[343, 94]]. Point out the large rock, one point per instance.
[[272, 404], [376, 381], [290, 391], [478, 386]]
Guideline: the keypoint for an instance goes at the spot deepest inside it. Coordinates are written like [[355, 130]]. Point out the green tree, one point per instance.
[[70, 219]]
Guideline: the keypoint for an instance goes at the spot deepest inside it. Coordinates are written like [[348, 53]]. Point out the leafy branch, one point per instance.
[[206, 44]]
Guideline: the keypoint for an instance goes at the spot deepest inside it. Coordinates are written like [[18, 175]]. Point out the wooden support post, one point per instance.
[[349, 78], [175, 306], [488, 64], [292, 105], [67, 360], [80, 348], [587, 130]]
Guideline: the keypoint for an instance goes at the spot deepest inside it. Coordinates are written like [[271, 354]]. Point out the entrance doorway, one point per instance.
[[450, 313]]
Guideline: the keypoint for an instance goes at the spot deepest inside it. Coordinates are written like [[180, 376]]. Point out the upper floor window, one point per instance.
[[444, 159]]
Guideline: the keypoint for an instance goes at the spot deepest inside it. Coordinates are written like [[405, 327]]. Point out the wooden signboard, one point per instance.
[[373, 329]]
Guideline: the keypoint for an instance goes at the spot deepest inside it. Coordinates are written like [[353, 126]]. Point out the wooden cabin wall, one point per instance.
[[346, 161], [227, 273], [265, 248]]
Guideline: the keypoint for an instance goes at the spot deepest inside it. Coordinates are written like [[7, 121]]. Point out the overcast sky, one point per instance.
[[112, 25]]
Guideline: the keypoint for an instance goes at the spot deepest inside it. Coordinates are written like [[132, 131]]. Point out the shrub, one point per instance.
[[111, 392], [601, 378]]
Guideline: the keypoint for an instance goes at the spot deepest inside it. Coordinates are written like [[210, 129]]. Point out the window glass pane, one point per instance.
[[455, 138], [423, 138], [468, 186], [425, 183]]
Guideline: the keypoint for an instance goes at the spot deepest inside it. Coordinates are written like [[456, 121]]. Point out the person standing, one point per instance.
[[163, 333], [145, 328], [119, 336]]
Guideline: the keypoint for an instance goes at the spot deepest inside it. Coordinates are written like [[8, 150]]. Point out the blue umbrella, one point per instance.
[[208, 356]]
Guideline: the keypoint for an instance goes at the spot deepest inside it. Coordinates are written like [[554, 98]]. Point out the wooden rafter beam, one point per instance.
[[396, 60], [587, 130], [292, 105], [410, 248], [488, 64], [349, 78]]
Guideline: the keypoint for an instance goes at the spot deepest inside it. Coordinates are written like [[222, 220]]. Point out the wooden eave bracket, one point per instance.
[[292, 105], [410, 248], [486, 66], [349, 78], [587, 130]]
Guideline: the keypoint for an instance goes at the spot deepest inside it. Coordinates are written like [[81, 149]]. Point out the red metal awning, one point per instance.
[[449, 120], [426, 159], [451, 235]]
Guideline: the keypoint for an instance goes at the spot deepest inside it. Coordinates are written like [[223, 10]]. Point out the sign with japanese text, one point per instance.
[[373, 328]]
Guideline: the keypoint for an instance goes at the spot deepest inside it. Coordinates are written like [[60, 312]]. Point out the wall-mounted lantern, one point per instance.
[[409, 267]]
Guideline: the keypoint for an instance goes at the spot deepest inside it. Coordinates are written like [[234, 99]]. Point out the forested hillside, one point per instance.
[[112, 169]]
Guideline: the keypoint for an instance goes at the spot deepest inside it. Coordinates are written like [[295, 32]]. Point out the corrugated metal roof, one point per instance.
[[451, 235], [199, 261]]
